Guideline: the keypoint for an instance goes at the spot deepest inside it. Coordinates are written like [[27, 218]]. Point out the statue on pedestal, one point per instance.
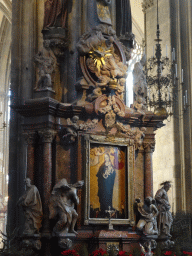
[[139, 80], [124, 20], [55, 13], [61, 206], [148, 213], [32, 207], [165, 218], [46, 62]]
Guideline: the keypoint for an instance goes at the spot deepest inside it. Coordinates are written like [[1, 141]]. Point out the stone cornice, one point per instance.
[[147, 4]]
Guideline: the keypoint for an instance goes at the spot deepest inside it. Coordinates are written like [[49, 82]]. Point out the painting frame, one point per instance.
[[117, 143]]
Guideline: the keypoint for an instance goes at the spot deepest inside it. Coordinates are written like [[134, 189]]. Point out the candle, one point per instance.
[[166, 50], [175, 70], [173, 53], [186, 100], [182, 75]]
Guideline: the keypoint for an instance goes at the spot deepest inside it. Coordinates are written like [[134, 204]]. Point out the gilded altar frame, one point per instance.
[[121, 144]]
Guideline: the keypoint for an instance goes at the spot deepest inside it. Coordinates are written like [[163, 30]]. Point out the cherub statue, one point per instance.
[[32, 207], [61, 206], [148, 213]]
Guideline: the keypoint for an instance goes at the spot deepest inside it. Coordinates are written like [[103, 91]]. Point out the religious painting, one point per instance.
[[107, 183]]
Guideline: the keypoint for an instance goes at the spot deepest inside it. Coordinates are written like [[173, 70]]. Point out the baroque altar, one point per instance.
[[84, 145]]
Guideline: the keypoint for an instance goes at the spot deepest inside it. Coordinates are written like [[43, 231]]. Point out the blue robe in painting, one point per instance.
[[105, 188]]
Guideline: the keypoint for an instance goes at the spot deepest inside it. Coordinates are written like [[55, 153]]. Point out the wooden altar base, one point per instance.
[[124, 240]]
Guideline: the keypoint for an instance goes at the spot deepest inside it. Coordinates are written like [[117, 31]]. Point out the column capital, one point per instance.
[[149, 147], [29, 137], [47, 135], [147, 4], [141, 149]]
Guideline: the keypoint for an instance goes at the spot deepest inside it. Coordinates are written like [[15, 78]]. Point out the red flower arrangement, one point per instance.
[[70, 253], [188, 253], [99, 252], [122, 253]]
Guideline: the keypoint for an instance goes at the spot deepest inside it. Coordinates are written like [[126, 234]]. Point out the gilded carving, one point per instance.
[[111, 110], [102, 64]]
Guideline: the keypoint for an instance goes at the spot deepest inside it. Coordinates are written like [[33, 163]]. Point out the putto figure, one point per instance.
[[61, 206], [32, 207], [165, 219], [148, 213]]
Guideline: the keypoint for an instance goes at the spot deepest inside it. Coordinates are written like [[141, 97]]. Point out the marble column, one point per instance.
[[139, 174], [47, 139], [148, 174], [30, 139]]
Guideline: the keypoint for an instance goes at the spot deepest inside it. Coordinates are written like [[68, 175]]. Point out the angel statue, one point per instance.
[[61, 206]]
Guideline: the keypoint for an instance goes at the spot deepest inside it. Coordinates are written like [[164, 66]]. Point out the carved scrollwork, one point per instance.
[[136, 135], [102, 62], [69, 133]]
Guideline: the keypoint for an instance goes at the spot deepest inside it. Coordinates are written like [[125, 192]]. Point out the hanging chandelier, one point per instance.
[[161, 76]]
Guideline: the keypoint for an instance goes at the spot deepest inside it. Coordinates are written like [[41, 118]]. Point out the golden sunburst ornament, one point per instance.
[[99, 55]]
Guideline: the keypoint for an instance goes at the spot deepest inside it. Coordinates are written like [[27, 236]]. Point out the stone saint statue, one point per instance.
[[61, 206], [148, 213], [123, 17], [55, 13], [139, 79], [165, 219], [32, 207]]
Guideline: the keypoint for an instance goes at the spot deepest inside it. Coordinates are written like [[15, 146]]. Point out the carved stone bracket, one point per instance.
[[57, 40], [147, 4], [47, 135]]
